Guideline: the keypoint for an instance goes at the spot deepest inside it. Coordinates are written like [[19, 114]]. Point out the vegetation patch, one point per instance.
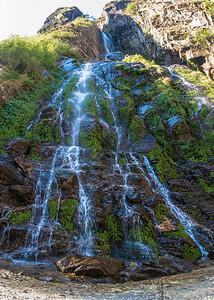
[[105, 110], [109, 236], [89, 106], [132, 8], [197, 78], [164, 165], [180, 233], [145, 235], [137, 128], [190, 251], [161, 210], [122, 161], [93, 139], [20, 217], [68, 208], [53, 209]]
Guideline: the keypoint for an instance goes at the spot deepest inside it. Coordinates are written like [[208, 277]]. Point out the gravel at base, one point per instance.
[[198, 284]]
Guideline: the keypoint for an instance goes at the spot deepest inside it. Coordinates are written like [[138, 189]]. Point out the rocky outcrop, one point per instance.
[[170, 31], [75, 30], [95, 267], [61, 16]]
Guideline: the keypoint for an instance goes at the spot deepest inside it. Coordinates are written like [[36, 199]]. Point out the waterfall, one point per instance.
[[201, 100], [73, 159], [108, 44], [189, 224]]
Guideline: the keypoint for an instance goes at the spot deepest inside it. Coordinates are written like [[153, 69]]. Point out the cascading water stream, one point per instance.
[[202, 100], [71, 160], [108, 44], [189, 225], [41, 226]]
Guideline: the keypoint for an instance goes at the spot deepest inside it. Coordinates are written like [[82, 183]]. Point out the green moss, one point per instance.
[[156, 128], [34, 153], [160, 211], [180, 233], [114, 228], [104, 242], [20, 217], [109, 236], [132, 8], [137, 128], [164, 165], [67, 225], [69, 110], [53, 208], [146, 62], [204, 37], [197, 78], [68, 140], [145, 235], [205, 111], [207, 185], [122, 161], [105, 110], [91, 86], [93, 140], [190, 251], [113, 140], [89, 106], [70, 88], [209, 6], [68, 208], [192, 150]]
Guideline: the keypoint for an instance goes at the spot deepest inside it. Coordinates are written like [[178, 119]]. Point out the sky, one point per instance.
[[26, 17]]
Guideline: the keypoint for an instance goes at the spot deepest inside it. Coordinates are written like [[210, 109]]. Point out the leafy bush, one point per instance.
[[20, 217]]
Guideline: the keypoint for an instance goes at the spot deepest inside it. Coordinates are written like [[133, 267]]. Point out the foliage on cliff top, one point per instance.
[[197, 78]]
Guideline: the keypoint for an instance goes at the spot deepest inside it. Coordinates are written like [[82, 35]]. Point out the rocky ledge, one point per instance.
[[171, 31]]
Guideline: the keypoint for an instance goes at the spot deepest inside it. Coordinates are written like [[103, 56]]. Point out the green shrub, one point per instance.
[[53, 208], [164, 165], [68, 208], [160, 211], [137, 128], [132, 8], [145, 235], [20, 217], [105, 110], [89, 106], [122, 161], [190, 252]]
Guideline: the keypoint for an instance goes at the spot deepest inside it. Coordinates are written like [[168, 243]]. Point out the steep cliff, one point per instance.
[[170, 31], [73, 28]]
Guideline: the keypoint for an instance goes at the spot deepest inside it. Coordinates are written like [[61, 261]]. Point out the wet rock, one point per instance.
[[69, 263], [146, 145], [138, 277], [19, 146], [93, 267], [69, 184], [154, 270], [23, 193], [108, 267], [49, 112], [177, 264], [91, 271], [9, 174]]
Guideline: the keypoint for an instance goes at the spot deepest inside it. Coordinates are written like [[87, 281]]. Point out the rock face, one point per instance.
[[95, 267], [61, 16], [169, 30], [77, 31]]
